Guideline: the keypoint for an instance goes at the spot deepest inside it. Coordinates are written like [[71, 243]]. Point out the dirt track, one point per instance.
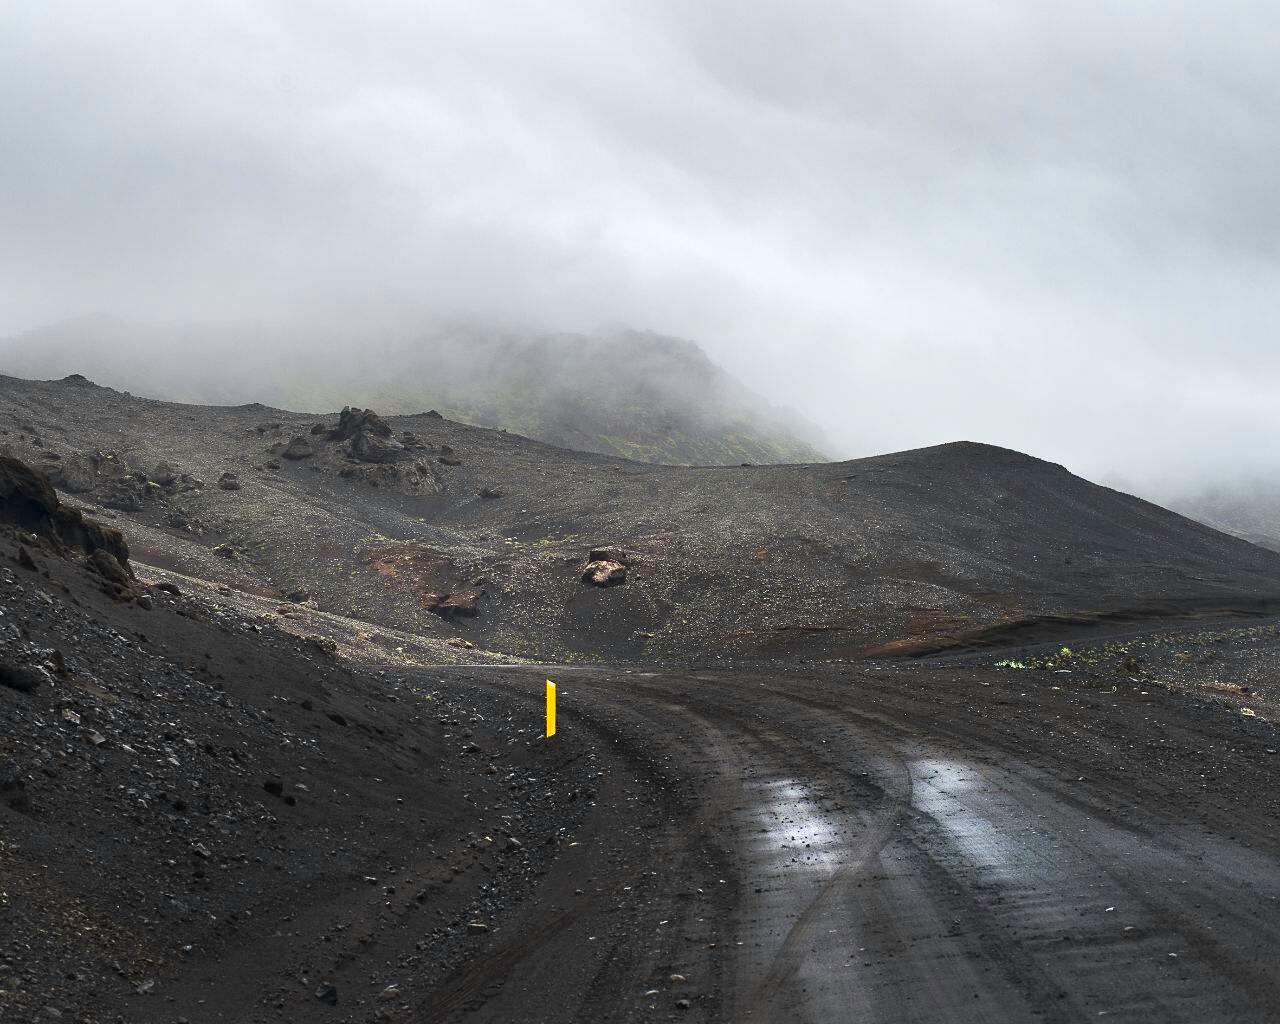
[[895, 844], [905, 841]]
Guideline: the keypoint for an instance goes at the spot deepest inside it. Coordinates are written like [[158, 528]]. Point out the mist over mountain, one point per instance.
[[1247, 508], [619, 392]]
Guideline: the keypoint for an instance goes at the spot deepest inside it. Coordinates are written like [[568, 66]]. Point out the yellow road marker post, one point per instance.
[[551, 709]]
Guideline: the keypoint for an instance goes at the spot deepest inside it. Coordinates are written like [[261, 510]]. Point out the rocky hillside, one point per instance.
[[465, 536], [640, 395], [199, 803]]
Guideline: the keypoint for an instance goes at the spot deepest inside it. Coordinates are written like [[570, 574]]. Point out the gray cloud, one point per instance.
[[1050, 226]]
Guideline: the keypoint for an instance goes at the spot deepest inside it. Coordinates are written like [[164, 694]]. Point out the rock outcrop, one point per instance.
[[370, 436], [29, 502], [370, 447], [297, 449], [76, 473], [359, 421]]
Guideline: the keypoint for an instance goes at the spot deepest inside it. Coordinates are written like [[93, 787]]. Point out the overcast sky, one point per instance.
[[1053, 226]]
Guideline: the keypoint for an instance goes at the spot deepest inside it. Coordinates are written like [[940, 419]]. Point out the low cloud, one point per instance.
[[1041, 225]]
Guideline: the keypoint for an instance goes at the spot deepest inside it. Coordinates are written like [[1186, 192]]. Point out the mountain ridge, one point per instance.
[[894, 552], [646, 396]]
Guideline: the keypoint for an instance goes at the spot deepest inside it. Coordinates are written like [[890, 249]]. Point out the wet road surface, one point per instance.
[[901, 844]]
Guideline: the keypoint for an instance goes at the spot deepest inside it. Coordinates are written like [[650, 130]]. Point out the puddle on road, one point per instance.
[[792, 832], [794, 843], [952, 793]]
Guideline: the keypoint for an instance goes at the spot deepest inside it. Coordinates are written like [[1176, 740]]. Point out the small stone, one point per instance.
[[327, 994], [477, 927], [25, 560]]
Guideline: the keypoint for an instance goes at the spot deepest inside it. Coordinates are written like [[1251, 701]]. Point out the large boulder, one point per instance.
[[449, 606], [298, 448], [117, 578], [76, 473], [28, 501], [368, 446], [359, 421], [604, 573], [606, 566]]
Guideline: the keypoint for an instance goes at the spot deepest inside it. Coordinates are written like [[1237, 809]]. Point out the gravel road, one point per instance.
[[892, 844]]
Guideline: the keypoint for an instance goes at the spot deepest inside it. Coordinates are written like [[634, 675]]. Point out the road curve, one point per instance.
[[893, 844]]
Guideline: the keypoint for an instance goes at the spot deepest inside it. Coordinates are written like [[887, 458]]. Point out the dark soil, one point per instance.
[[203, 817], [888, 842], [237, 790]]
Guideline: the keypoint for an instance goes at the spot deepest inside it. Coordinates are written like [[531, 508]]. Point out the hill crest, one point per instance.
[[825, 560]]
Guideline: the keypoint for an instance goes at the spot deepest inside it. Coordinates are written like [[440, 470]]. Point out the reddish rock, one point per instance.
[[451, 605], [604, 573]]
